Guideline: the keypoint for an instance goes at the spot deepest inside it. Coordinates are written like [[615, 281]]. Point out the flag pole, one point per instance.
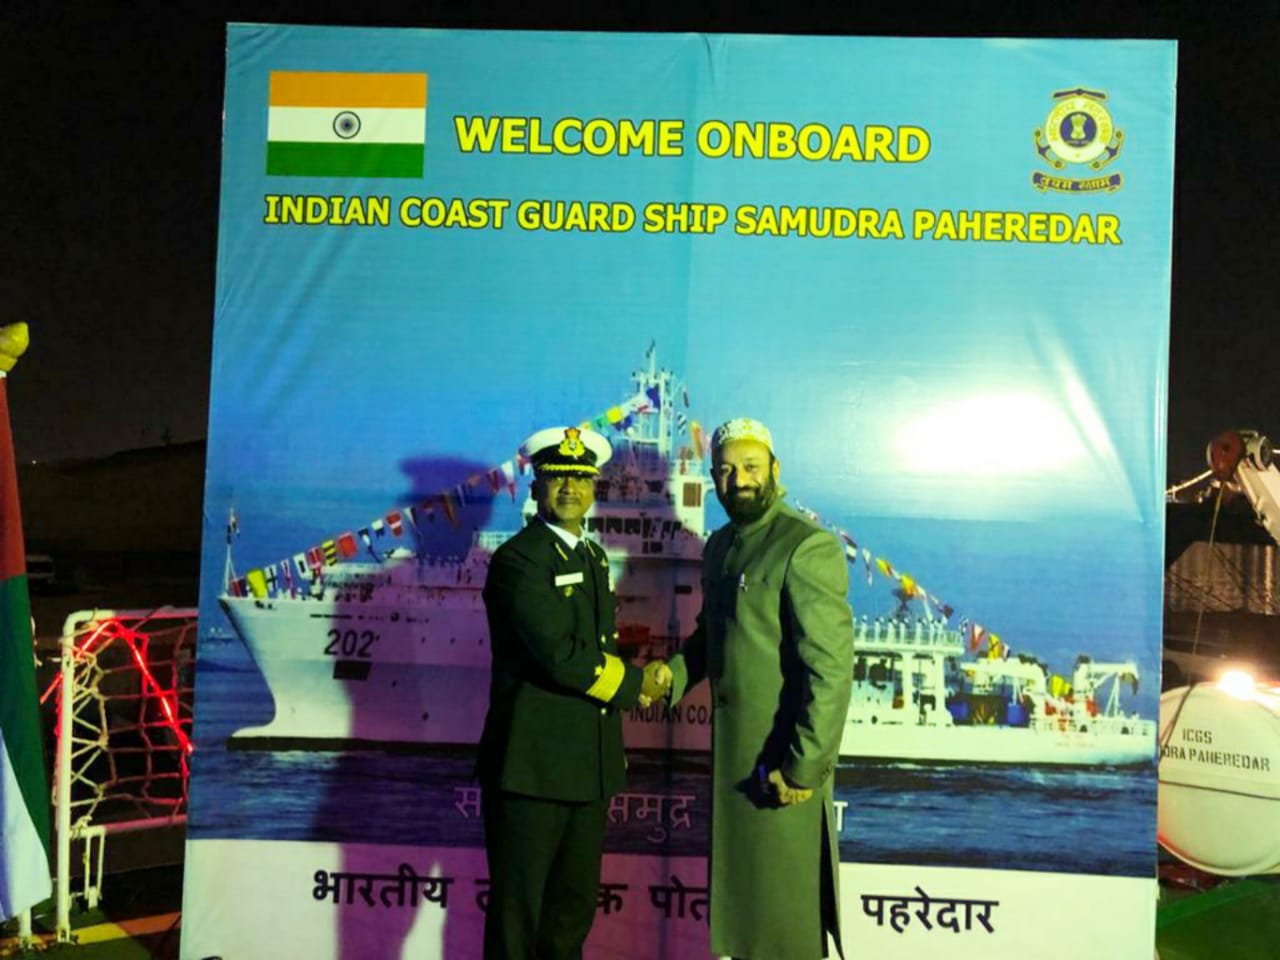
[[24, 832]]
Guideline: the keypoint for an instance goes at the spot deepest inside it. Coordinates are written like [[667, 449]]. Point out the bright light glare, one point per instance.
[[1014, 433], [1238, 684]]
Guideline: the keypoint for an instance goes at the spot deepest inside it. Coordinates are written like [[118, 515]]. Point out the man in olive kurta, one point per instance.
[[775, 640], [551, 753]]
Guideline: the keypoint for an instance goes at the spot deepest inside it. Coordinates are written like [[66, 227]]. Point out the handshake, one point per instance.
[[656, 683]]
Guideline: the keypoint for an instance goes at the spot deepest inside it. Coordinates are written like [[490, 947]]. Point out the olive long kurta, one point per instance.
[[775, 640]]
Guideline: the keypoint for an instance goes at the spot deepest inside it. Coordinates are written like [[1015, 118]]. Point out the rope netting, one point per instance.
[[131, 717]]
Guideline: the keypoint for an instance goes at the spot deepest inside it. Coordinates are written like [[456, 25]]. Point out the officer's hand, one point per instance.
[[787, 792], [656, 682], [662, 674]]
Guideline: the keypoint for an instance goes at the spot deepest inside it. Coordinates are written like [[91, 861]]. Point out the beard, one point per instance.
[[747, 506]]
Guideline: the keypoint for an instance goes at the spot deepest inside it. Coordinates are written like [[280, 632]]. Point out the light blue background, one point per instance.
[[346, 358]]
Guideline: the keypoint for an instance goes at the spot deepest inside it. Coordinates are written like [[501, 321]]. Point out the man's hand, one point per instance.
[[656, 683], [787, 792]]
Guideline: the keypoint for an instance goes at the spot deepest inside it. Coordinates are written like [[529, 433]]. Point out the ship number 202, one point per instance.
[[350, 643]]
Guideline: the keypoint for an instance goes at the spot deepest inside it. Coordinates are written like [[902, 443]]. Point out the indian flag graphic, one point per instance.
[[24, 790], [346, 124]]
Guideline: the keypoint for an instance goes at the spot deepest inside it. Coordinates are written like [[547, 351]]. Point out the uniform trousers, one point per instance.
[[544, 875]]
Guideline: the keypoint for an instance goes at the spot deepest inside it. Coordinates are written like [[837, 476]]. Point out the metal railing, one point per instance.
[[124, 699]]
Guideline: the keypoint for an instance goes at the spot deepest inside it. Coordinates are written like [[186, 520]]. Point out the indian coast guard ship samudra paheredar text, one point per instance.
[[393, 652]]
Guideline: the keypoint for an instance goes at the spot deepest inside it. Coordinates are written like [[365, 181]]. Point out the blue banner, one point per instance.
[[939, 271]]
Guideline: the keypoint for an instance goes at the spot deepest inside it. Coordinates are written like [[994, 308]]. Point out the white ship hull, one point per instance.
[[999, 745], [405, 665], [350, 675]]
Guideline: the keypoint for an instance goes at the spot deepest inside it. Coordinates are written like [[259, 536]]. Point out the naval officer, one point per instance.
[[551, 754]]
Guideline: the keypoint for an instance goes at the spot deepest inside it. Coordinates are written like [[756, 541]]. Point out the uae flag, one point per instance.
[[24, 790], [346, 124]]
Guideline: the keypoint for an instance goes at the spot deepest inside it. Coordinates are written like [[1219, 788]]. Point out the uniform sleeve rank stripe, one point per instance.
[[609, 677]]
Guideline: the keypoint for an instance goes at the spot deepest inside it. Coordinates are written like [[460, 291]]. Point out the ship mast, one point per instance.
[[229, 570], [657, 441], [661, 381]]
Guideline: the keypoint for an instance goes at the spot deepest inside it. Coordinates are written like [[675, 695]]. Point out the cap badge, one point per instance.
[[571, 445]]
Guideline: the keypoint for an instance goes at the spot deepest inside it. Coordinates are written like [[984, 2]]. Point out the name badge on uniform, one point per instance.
[[565, 579]]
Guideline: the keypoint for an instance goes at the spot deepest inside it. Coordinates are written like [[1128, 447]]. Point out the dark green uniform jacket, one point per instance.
[[775, 640], [554, 729]]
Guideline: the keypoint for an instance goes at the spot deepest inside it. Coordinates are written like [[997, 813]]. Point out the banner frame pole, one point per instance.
[[62, 795]]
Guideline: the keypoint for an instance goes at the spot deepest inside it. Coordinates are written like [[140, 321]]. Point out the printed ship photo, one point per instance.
[[371, 640]]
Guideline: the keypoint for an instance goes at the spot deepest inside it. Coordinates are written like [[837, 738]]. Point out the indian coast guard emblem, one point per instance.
[[1078, 131]]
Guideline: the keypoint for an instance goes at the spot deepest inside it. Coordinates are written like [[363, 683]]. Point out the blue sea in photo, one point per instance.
[[1021, 818]]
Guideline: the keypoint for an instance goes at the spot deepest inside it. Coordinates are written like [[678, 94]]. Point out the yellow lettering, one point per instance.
[[455, 214], [793, 220], [635, 137], [598, 137], [806, 143], [1109, 228], [335, 211], [913, 144], [527, 215], [879, 140], [559, 215], [684, 217], [846, 145], [560, 136], [714, 139], [474, 214], [782, 141], [536, 144], [496, 207], [476, 133], [748, 139], [514, 134], [292, 210], [970, 224], [670, 138], [840, 222]]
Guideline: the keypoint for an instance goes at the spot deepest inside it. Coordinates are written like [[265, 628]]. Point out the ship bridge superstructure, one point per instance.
[[900, 671]]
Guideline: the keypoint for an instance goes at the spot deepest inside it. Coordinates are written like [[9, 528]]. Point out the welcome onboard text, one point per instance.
[[714, 138]]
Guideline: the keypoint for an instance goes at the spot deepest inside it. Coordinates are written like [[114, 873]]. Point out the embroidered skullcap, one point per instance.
[[742, 428]]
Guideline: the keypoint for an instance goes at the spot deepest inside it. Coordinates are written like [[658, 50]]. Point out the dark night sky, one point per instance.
[[111, 167]]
